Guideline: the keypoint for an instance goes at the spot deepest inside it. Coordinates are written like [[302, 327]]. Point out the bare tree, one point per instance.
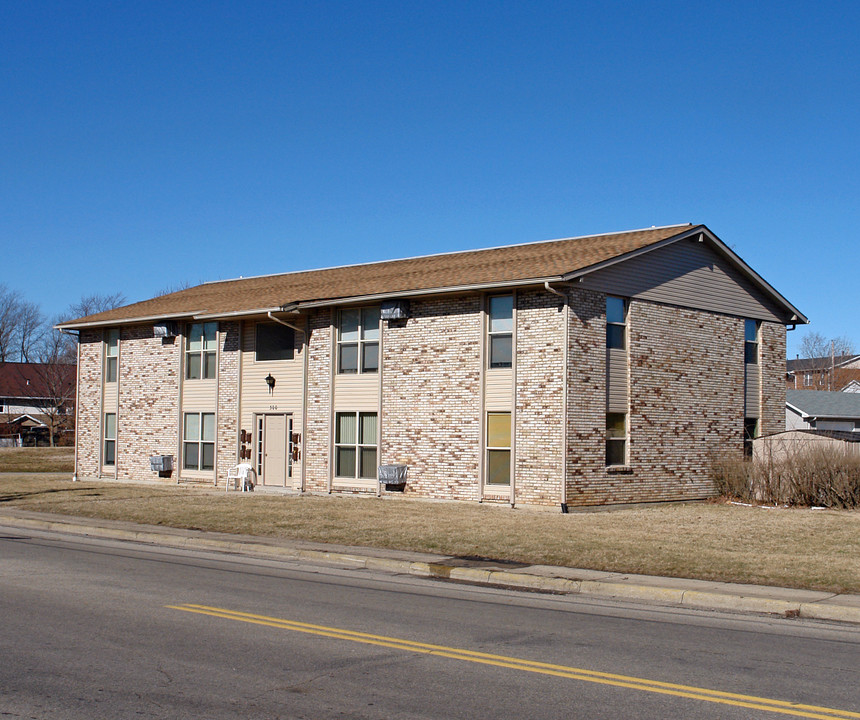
[[823, 357], [175, 287], [31, 329], [96, 303], [10, 301]]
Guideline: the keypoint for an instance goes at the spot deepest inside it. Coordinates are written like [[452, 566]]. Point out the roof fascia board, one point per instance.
[[795, 409], [734, 258], [122, 321], [446, 290], [236, 313]]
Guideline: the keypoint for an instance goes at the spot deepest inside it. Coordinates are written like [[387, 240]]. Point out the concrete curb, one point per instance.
[[699, 594]]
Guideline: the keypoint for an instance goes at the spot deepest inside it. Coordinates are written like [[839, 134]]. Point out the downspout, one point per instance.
[[305, 334], [284, 323], [565, 361]]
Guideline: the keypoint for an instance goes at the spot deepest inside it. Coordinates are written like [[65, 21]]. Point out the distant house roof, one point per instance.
[[34, 381], [824, 405], [818, 363], [515, 265]]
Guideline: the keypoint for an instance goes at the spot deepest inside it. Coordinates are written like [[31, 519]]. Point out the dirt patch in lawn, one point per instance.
[[814, 549]]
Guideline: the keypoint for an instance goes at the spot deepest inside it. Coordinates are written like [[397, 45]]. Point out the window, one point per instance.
[[616, 439], [500, 330], [751, 342], [616, 322], [358, 341], [274, 342], [111, 355], [355, 445], [498, 448], [109, 456], [750, 432], [201, 350], [807, 378], [198, 447]]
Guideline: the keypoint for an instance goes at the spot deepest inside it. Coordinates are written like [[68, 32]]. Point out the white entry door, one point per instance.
[[274, 441]]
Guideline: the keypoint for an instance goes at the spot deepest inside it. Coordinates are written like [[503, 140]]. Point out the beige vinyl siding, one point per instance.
[[616, 381], [110, 396], [752, 391], [498, 391], [287, 394], [687, 274], [199, 395], [356, 392]]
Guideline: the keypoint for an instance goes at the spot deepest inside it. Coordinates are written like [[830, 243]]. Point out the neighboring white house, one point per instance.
[[821, 410]]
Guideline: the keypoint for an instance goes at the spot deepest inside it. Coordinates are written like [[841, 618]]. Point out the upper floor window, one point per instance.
[[274, 342], [111, 354], [500, 328], [358, 340], [751, 331], [616, 322], [201, 350], [807, 378]]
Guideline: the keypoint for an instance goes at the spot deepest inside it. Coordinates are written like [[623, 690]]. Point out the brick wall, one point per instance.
[[431, 390], [539, 398], [88, 424], [228, 399], [148, 398], [317, 439], [773, 371], [686, 401], [587, 481]]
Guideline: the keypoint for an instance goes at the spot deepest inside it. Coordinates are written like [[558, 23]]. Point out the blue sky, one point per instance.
[[144, 145]]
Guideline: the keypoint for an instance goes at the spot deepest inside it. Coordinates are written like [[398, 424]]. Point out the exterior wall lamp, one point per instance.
[[270, 381]]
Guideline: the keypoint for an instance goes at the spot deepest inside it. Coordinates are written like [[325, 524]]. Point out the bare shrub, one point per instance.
[[810, 476]]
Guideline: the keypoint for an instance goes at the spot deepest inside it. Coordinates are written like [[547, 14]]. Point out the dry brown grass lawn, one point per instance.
[[39, 460], [816, 549]]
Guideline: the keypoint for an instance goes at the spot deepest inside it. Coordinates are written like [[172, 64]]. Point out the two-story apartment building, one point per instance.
[[590, 370]]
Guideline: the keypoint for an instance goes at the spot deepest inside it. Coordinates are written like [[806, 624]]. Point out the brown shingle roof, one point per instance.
[[475, 267]]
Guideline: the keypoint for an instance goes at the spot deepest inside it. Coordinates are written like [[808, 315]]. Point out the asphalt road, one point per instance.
[[103, 629]]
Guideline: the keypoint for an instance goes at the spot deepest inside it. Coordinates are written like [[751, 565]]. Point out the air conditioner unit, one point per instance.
[[394, 310], [165, 329]]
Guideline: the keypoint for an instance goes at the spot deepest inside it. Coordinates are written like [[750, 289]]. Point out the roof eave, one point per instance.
[[445, 290]]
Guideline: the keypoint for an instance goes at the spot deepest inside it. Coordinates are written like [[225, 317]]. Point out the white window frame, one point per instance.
[[366, 336], [111, 355], [199, 441], [198, 332], [504, 329], [357, 445], [109, 440]]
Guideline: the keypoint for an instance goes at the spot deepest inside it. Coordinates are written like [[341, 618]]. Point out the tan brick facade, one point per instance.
[[431, 397], [686, 379]]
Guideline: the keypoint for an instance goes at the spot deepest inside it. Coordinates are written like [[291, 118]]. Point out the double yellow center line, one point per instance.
[[572, 673]]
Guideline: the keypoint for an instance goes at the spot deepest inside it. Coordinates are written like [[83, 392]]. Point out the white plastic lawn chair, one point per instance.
[[241, 476]]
